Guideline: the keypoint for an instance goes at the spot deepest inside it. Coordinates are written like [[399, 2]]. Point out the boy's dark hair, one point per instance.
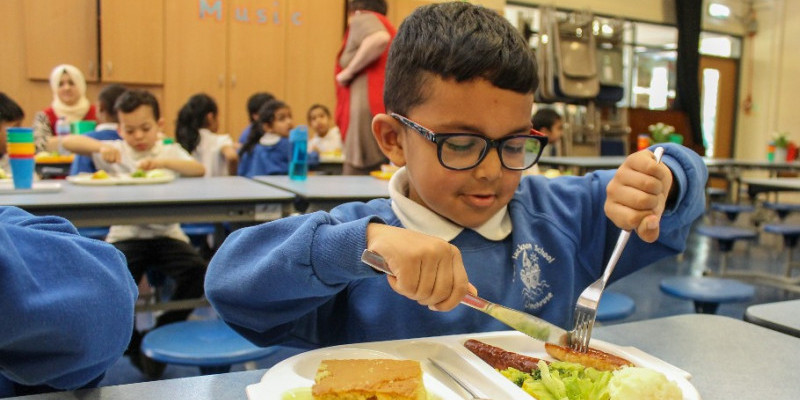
[[378, 6], [255, 102], [266, 115], [108, 97], [191, 117], [316, 106], [457, 41], [135, 98], [10, 111], [545, 118]]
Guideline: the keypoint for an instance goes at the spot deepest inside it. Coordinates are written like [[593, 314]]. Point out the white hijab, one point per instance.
[[74, 112]]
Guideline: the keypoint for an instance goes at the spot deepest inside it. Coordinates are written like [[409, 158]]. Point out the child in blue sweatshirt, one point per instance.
[[67, 304], [267, 150], [459, 90]]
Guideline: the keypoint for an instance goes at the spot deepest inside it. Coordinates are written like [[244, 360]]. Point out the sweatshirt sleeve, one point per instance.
[[67, 302], [264, 278]]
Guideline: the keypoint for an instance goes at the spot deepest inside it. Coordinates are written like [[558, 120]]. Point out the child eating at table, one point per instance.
[[161, 247], [267, 150], [106, 128], [196, 132], [460, 219], [327, 138]]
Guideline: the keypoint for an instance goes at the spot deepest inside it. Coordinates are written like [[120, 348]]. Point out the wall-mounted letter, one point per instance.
[[206, 9]]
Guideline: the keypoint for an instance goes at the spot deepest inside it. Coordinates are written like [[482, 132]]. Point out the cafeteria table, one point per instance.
[[756, 186], [214, 199], [782, 316], [583, 165], [323, 192], [728, 359]]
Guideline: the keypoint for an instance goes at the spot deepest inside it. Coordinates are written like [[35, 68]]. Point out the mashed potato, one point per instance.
[[634, 383]]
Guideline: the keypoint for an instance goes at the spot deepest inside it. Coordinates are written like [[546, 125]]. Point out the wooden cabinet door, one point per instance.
[[194, 55], [132, 42], [314, 34], [60, 32], [256, 55]]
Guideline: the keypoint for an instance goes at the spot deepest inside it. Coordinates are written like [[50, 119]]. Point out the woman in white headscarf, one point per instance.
[[69, 101]]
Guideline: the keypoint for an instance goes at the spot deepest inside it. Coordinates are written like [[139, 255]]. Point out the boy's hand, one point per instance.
[[109, 154], [427, 269], [637, 195], [148, 164]]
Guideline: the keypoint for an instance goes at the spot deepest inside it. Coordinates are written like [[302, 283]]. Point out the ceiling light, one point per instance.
[[718, 10]]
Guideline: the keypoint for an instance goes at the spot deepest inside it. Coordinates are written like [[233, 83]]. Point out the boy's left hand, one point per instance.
[[637, 195], [148, 164]]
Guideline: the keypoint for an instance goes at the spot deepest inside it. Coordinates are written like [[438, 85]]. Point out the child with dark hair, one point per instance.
[[106, 128], [11, 115], [254, 104], [161, 247], [460, 85], [549, 122], [267, 150], [327, 138], [196, 130]]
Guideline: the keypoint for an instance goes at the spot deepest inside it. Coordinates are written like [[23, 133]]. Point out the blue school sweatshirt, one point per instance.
[[270, 160], [66, 303], [302, 276]]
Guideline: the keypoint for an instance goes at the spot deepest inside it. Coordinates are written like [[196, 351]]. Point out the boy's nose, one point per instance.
[[490, 167]]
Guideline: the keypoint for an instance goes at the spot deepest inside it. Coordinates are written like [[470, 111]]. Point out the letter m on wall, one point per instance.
[[205, 9]]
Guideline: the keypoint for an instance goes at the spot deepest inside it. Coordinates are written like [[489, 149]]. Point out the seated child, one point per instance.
[[67, 303], [268, 150], [11, 115], [327, 138], [106, 128], [460, 218], [549, 122], [195, 131], [254, 104], [162, 247]]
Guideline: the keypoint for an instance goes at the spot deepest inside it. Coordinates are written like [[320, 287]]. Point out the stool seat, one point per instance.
[[782, 209], [614, 305], [707, 292], [732, 210], [198, 229], [782, 229], [209, 344], [726, 232], [97, 232]]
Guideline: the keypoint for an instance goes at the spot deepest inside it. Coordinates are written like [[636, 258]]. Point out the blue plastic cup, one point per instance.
[[22, 171]]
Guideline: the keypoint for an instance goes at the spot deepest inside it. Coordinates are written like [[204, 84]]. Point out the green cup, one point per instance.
[[80, 127], [20, 135]]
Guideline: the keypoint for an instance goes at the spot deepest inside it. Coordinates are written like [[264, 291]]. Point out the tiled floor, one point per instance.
[[642, 286]]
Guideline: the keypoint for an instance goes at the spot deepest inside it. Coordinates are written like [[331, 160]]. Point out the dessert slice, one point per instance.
[[376, 379]]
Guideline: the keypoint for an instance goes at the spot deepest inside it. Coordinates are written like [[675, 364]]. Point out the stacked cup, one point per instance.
[[20, 156]]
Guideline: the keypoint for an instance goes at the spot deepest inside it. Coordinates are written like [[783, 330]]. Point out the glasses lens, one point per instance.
[[462, 151], [520, 152]]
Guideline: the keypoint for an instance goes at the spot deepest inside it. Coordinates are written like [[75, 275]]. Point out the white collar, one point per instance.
[[419, 218], [269, 139]]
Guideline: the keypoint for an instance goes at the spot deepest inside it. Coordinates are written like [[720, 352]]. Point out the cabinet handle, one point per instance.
[[233, 80], [92, 72], [110, 68], [221, 80]]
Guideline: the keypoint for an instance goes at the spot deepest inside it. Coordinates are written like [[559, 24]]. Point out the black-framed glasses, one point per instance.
[[460, 151]]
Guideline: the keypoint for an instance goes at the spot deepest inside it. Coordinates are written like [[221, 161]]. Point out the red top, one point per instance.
[[51, 115], [376, 73]]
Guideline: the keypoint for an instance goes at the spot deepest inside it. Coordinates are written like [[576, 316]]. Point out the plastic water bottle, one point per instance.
[[62, 129], [298, 164]]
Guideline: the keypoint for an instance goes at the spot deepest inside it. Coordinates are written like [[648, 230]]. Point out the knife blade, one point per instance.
[[534, 327]]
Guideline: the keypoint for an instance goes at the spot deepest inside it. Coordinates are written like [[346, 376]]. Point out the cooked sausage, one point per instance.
[[501, 359], [592, 358]]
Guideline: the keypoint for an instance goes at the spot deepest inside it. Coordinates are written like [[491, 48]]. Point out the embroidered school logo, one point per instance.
[[536, 290]]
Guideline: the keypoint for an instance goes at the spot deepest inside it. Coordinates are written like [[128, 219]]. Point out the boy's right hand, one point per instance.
[[427, 269], [109, 154]]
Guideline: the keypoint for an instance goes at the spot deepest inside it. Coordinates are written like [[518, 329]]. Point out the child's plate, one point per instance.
[[87, 179], [296, 374]]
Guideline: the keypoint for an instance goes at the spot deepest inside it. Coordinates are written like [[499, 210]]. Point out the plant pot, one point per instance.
[[780, 154]]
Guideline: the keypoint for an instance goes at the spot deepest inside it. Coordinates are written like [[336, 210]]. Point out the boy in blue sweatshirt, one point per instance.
[[459, 90], [67, 304]]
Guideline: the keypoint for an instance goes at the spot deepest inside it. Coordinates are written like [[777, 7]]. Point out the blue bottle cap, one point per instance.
[[299, 132]]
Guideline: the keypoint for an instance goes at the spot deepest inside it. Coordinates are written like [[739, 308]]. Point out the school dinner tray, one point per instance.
[[119, 179], [298, 371]]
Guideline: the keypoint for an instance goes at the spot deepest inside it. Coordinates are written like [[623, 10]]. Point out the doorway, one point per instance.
[[718, 77]]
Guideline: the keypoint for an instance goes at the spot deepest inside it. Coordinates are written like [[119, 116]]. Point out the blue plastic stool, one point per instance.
[[732, 211], [782, 209], [726, 236], [95, 232], [614, 305], [210, 345], [791, 235], [707, 292]]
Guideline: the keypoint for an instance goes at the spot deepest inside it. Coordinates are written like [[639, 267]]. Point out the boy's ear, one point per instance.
[[389, 135]]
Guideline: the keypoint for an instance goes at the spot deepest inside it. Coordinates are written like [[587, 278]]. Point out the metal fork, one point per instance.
[[586, 307], [473, 393]]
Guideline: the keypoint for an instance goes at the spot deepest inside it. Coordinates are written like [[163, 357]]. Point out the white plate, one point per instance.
[[121, 179], [7, 187], [298, 371]]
